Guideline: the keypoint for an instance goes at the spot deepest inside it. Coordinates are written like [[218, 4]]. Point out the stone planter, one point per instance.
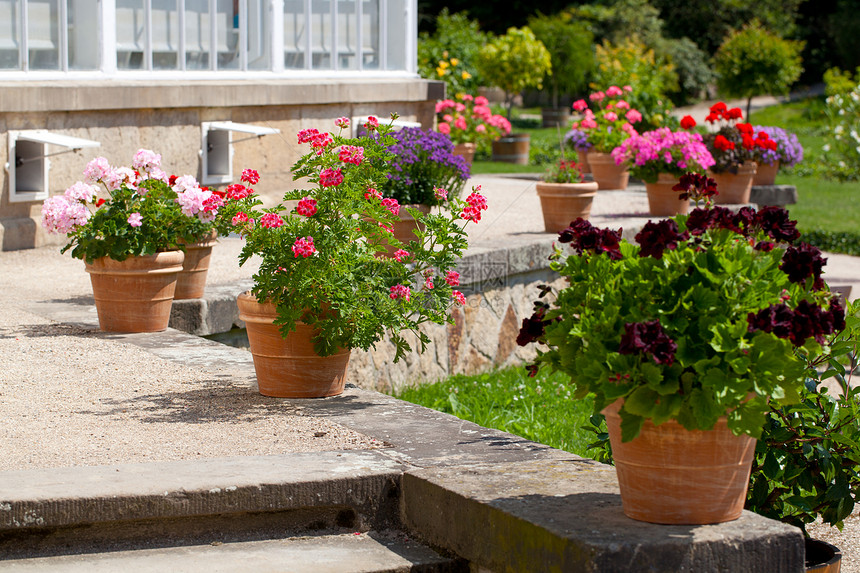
[[135, 295], [662, 200], [562, 203], [607, 174]]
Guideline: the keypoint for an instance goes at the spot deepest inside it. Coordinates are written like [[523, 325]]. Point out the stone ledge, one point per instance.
[[773, 195]]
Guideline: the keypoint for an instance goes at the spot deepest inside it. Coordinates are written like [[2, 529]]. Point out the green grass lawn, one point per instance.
[[539, 409]]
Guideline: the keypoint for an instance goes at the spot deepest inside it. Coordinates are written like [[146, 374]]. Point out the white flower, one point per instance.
[[826, 147]]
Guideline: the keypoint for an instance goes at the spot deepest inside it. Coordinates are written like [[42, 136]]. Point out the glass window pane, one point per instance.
[[370, 34], [295, 26], [165, 34], [347, 35], [397, 26], [10, 34], [321, 34], [83, 35], [130, 37], [43, 34], [227, 21], [259, 36], [197, 34]]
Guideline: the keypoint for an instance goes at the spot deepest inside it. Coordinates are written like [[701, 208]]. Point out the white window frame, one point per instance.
[[223, 159], [38, 155]]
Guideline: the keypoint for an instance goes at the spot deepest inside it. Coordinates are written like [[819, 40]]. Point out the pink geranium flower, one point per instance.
[[271, 220], [331, 177], [400, 291], [453, 278], [307, 207], [135, 220], [304, 247]]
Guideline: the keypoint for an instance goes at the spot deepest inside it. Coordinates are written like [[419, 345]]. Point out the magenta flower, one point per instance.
[[304, 247], [342, 122], [307, 207], [239, 218], [440, 193], [453, 278], [392, 205], [399, 291], [271, 220], [250, 176], [351, 154], [458, 297], [401, 254], [331, 177]]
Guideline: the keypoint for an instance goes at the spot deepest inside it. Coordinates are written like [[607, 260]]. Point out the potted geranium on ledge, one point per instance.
[[130, 233], [321, 288], [564, 195], [687, 338], [660, 158], [470, 124]]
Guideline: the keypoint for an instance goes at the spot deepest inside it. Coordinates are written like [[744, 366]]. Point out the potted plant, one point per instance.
[[564, 195], [807, 462], [514, 62], [470, 123], [607, 128], [786, 151], [659, 158], [421, 163], [733, 147], [577, 140], [130, 239], [686, 339], [321, 290]]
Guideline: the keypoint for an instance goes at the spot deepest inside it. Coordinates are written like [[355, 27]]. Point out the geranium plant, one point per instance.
[[663, 151], [731, 141], [121, 212], [563, 171], [611, 122], [320, 247], [704, 317], [469, 119], [786, 148], [421, 162]]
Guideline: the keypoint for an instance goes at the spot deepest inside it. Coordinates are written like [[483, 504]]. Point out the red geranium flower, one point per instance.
[[687, 122]]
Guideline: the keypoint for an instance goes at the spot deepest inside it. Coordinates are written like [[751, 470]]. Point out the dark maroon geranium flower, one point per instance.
[[776, 319], [533, 327], [654, 238], [798, 325], [765, 246], [695, 186], [700, 220], [650, 339], [583, 236], [775, 222], [801, 262]]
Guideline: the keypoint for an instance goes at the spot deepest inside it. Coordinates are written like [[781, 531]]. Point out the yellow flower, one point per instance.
[[454, 61], [441, 71], [465, 75], [443, 64]]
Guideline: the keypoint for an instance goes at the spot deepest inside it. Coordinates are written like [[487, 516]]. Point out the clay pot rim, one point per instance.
[[163, 261]]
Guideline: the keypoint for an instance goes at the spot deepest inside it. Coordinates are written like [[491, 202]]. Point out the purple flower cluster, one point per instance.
[[789, 151], [583, 236], [577, 139], [423, 160], [655, 238], [806, 320], [650, 339]]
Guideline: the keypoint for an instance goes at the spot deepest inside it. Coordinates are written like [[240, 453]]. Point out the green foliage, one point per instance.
[[754, 61], [701, 292], [514, 62], [842, 152], [571, 50], [621, 19], [632, 63], [807, 463], [835, 242], [695, 74], [539, 408], [451, 53], [340, 284], [839, 82]]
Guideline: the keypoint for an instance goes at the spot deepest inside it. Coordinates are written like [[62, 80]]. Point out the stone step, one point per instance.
[[344, 553], [122, 507]]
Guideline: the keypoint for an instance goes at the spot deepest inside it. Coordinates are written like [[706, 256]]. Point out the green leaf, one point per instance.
[[642, 402], [631, 425]]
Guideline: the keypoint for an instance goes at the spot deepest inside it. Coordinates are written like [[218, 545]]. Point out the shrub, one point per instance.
[[842, 153], [570, 46], [754, 61], [450, 54]]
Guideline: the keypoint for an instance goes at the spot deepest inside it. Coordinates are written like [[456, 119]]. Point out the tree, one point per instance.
[[570, 49], [754, 61], [514, 62], [450, 54]]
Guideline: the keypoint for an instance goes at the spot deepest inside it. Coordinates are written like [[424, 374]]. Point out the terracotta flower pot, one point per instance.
[[734, 188], [513, 148], [404, 229], [466, 151], [582, 161], [671, 475], [606, 173], [822, 557], [289, 367], [135, 295], [662, 200], [192, 279], [766, 173], [562, 203]]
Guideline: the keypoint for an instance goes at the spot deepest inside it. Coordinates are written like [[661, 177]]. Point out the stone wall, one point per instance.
[[166, 116]]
